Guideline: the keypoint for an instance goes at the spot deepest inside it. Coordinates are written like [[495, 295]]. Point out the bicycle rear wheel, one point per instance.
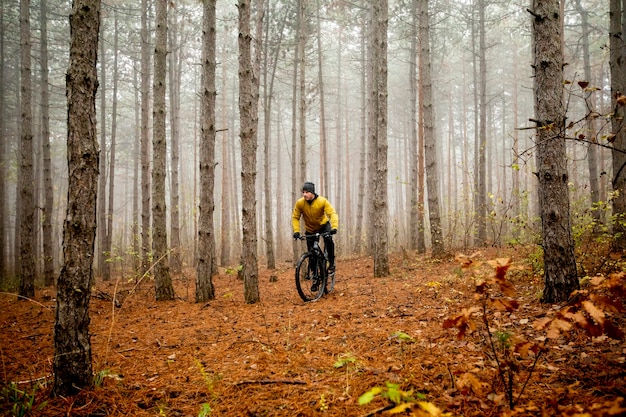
[[310, 278]]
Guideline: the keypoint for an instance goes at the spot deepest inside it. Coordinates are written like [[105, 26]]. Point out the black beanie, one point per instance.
[[309, 186]]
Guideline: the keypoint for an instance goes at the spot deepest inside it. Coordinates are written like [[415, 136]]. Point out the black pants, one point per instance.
[[328, 242]]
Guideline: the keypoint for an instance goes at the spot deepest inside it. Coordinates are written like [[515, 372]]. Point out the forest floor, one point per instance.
[[284, 357]]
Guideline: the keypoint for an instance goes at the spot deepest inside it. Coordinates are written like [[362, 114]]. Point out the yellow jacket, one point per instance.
[[316, 213]]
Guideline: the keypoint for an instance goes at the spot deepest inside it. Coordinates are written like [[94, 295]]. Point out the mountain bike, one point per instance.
[[312, 277]]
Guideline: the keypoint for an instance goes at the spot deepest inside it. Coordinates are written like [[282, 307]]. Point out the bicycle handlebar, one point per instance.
[[316, 235]]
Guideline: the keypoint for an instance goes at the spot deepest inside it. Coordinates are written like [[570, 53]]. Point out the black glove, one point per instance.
[[333, 232], [296, 235]]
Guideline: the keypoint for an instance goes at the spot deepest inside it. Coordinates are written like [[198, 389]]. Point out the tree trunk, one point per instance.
[[481, 145], [162, 278], [145, 140], [206, 234], [378, 134], [324, 182], [27, 211], [101, 231], [270, 67], [136, 245], [227, 226], [3, 180], [175, 75], [592, 155], [413, 151], [363, 152], [560, 277], [430, 151], [72, 368], [248, 110], [106, 268], [49, 273], [617, 29]]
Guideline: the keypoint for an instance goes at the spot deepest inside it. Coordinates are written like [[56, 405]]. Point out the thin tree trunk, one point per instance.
[[4, 243], [481, 145], [270, 67], [206, 233], [226, 241], [101, 231], [162, 278], [145, 140], [430, 153], [248, 110], [617, 23], [136, 253], [175, 75], [363, 141], [323, 140], [413, 151], [592, 150], [72, 368], [27, 232], [378, 134], [49, 273], [560, 277]]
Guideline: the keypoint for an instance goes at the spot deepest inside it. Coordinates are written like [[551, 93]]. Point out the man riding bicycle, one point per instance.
[[319, 217]]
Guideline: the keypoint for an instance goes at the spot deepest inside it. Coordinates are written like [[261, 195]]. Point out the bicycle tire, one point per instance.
[[330, 282], [307, 270]]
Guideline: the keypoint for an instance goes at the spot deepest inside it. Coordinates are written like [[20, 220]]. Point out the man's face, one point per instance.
[[308, 196]]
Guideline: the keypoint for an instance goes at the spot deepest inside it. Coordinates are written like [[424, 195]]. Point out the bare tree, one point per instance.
[[617, 43], [26, 181], [560, 276], [108, 241], [145, 139], [101, 231], [72, 346], [430, 152], [175, 74], [248, 110], [3, 147], [378, 136], [162, 278], [49, 273], [480, 150], [206, 234]]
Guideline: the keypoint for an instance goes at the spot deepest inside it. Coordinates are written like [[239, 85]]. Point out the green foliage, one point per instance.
[[402, 401], [205, 410], [345, 359], [21, 402], [210, 379], [98, 379]]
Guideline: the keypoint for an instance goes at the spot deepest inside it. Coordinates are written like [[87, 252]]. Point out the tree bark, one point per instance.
[[49, 273], [3, 180], [378, 134], [72, 366], [430, 150], [106, 268], [175, 75], [145, 140], [162, 278], [206, 234], [248, 110], [560, 276], [26, 181], [617, 60], [101, 231]]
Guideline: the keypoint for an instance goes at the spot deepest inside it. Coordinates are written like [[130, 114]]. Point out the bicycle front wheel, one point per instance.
[[330, 282], [310, 278]]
